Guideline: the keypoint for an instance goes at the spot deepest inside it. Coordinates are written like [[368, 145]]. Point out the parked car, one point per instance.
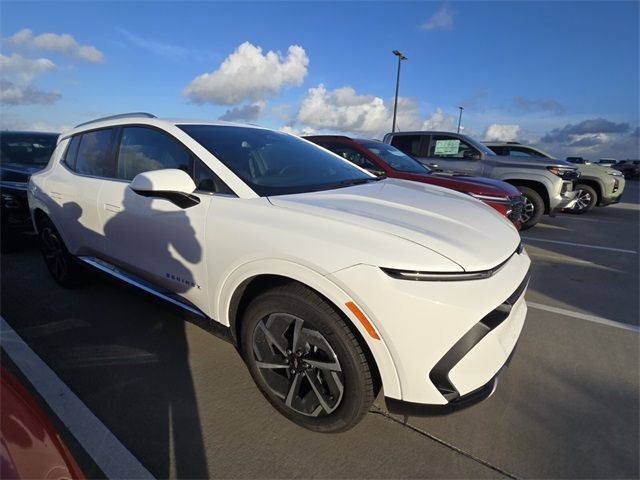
[[382, 159], [21, 154], [547, 187], [31, 445], [331, 282], [598, 185], [629, 168], [610, 162]]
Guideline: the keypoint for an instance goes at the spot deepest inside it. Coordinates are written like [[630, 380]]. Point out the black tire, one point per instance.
[[273, 317], [587, 198], [62, 266], [533, 207]]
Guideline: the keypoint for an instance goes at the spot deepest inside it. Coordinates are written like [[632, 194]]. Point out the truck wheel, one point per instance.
[[587, 198], [533, 208], [305, 360], [62, 266]]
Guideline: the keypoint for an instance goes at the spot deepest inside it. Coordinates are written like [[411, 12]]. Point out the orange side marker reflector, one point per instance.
[[363, 320]]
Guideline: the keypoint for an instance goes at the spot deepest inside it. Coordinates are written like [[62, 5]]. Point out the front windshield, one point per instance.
[[396, 159], [23, 149], [275, 163], [480, 146]]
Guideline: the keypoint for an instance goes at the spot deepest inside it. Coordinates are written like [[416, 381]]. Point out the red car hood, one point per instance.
[[463, 183]]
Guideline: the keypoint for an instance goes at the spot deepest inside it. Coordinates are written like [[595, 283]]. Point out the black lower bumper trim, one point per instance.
[[411, 409]]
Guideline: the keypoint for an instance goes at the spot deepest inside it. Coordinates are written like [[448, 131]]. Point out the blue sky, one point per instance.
[[563, 75]]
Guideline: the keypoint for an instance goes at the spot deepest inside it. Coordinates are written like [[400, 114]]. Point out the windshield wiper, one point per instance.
[[359, 181]]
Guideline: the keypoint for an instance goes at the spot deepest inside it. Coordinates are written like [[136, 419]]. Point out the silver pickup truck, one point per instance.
[[546, 185]]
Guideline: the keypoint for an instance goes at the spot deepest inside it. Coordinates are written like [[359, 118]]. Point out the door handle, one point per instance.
[[112, 208]]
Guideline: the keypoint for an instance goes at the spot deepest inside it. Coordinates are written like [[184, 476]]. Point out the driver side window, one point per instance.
[[450, 147]]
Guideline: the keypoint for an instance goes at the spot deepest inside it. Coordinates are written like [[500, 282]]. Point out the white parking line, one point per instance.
[[105, 449], [584, 316], [584, 245]]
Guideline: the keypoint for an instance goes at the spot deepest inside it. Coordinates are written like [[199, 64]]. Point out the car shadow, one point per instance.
[[127, 359]]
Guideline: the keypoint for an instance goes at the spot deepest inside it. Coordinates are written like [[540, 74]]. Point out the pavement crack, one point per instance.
[[379, 411]]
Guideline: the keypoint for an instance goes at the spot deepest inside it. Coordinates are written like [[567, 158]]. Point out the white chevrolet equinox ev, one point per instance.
[[330, 282]]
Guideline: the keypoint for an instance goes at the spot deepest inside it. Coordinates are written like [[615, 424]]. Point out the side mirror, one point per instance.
[[471, 155], [170, 184]]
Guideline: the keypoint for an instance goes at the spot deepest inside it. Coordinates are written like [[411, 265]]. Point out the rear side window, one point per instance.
[[95, 153], [145, 149], [499, 150], [409, 144], [72, 152]]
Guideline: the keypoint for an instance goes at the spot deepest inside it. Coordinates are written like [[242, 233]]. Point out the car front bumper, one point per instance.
[[614, 192], [565, 199], [448, 339]]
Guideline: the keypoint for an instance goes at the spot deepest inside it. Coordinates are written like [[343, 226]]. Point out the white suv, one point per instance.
[[331, 282]]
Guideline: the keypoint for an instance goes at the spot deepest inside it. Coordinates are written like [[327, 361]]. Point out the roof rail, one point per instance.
[[121, 115]]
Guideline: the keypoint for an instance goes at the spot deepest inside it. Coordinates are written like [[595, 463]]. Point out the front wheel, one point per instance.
[[586, 199], [305, 360], [533, 208]]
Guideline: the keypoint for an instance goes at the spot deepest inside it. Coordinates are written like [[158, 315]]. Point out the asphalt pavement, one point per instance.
[[183, 404]]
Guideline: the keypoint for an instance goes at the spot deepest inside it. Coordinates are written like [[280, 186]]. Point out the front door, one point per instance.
[[152, 237], [452, 154]]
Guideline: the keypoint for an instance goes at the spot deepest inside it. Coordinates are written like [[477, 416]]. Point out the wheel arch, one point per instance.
[[248, 281], [594, 183], [539, 188]]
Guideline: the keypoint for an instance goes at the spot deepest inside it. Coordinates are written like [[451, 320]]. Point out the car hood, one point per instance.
[[19, 173], [534, 162], [478, 185], [452, 224]]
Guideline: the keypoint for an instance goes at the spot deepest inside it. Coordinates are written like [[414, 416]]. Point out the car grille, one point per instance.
[[516, 205]]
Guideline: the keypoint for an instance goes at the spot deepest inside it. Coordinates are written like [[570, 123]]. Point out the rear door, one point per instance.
[[74, 190]]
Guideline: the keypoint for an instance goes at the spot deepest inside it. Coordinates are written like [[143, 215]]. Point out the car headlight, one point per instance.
[[564, 173], [616, 173], [490, 198]]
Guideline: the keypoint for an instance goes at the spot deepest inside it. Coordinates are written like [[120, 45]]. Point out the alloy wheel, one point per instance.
[[298, 364], [583, 200], [527, 210], [54, 254]]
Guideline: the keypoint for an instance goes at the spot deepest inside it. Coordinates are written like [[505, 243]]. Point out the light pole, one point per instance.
[[401, 57], [460, 118]]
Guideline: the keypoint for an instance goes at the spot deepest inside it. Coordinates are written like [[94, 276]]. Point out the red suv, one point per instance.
[[382, 159]]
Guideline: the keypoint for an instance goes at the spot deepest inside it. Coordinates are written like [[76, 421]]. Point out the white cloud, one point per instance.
[[12, 94], [17, 73], [244, 112], [298, 131], [443, 18], [247, 74], [153, 46], [501, 133], [343, 110], [24, 68], [63, 43]]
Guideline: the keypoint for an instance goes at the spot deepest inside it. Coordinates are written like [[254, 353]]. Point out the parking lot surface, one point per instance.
[[182, 404]]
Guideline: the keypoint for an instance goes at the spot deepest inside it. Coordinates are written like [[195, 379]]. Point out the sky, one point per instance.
[[560, 75]]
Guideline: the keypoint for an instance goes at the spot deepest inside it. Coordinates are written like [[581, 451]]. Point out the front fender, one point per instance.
[[321, 284]]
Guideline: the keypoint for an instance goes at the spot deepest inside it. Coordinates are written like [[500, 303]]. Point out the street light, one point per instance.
[[460, 118], [401, 57]]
